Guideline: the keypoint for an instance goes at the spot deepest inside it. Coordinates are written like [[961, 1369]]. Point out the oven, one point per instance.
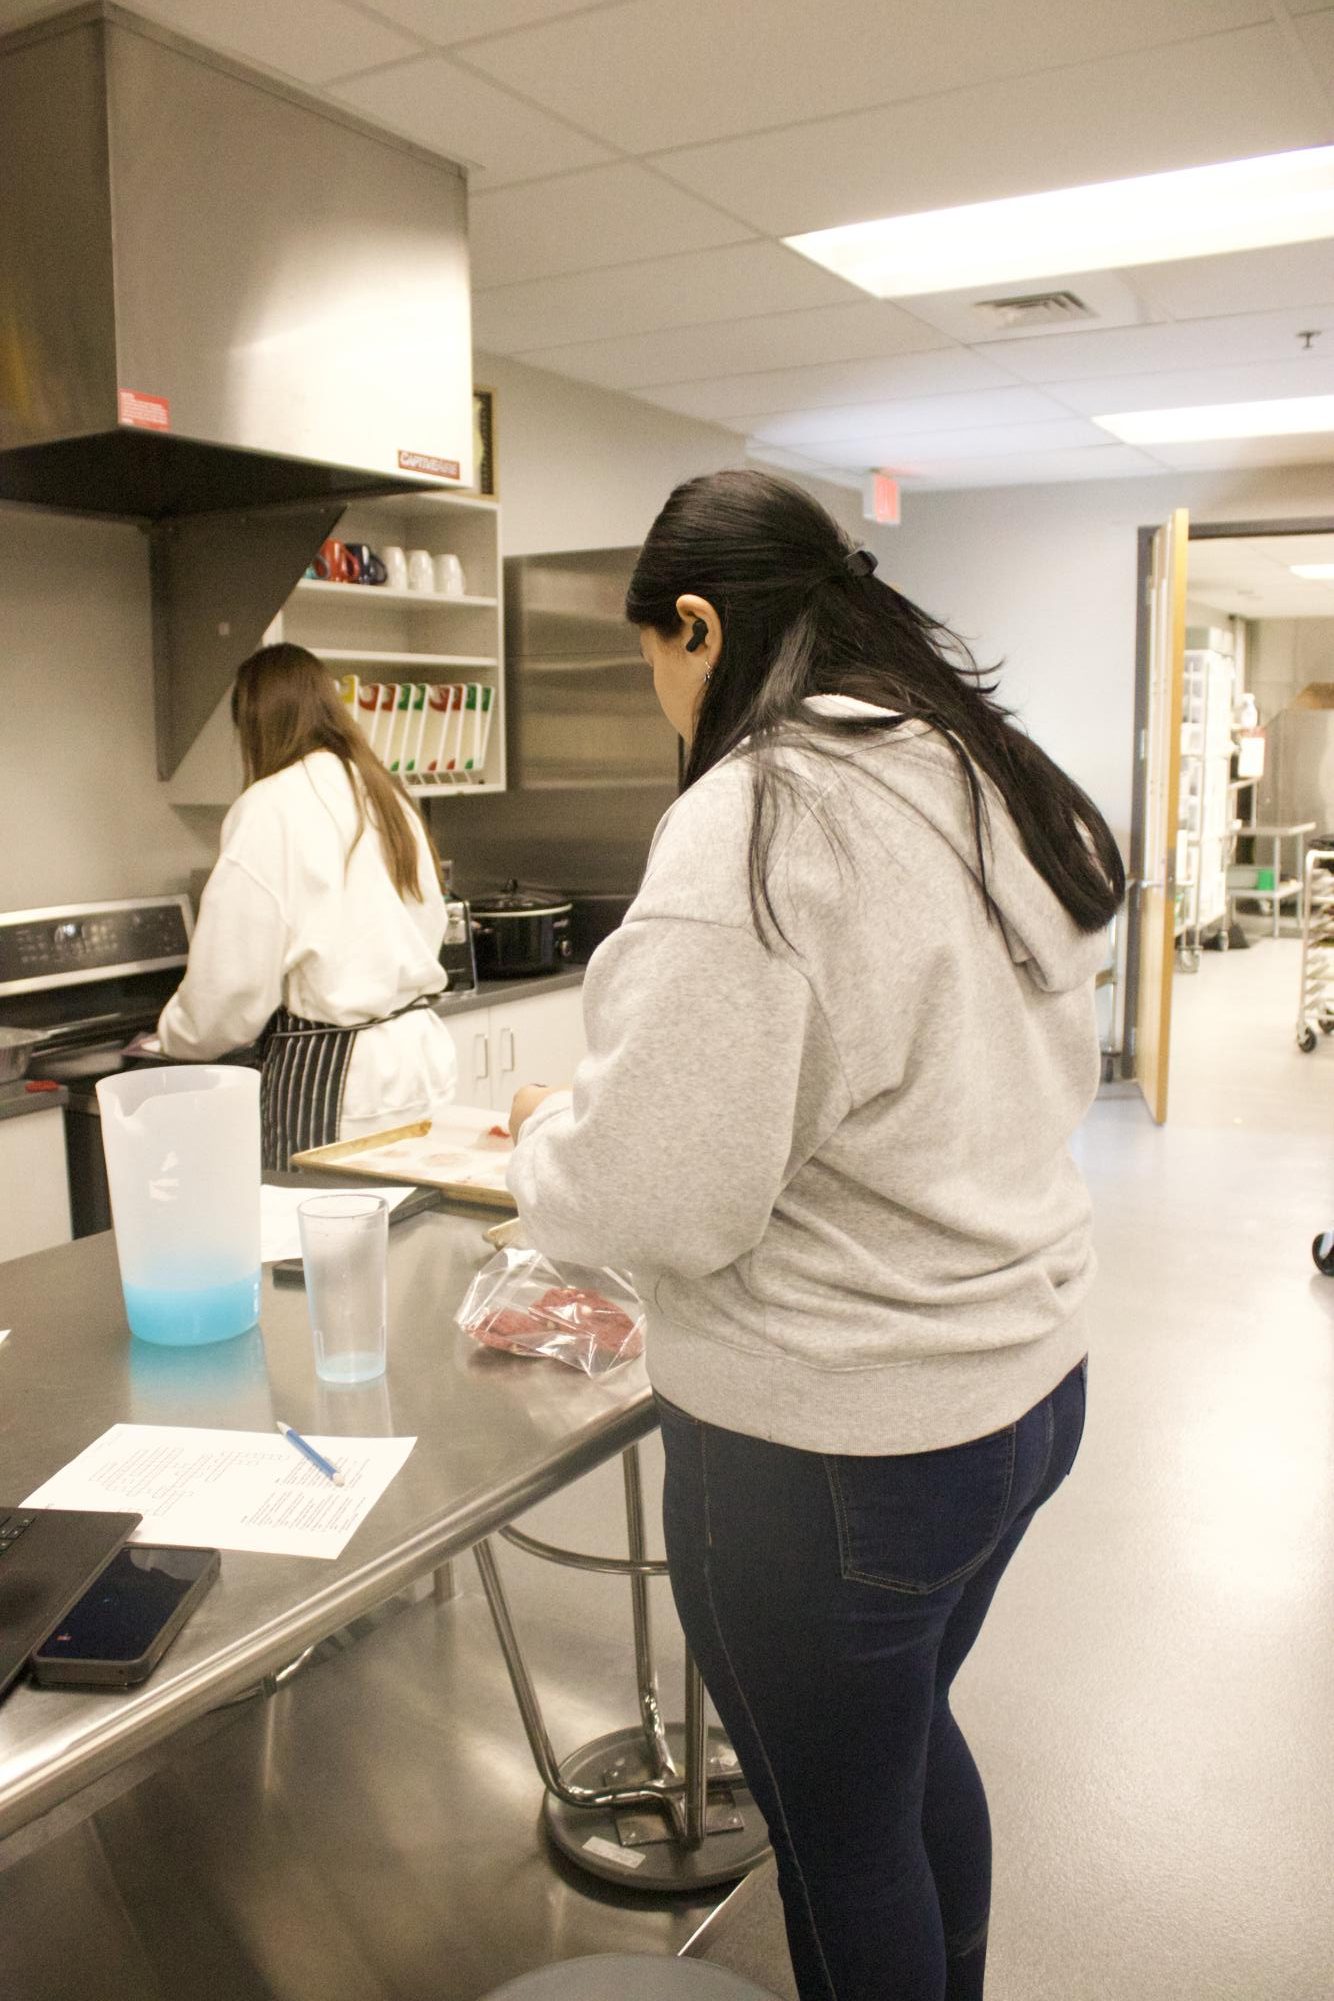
[[88, 978]]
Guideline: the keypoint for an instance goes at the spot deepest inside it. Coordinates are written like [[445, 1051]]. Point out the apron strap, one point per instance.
[[292, 1024], [303, 1075]]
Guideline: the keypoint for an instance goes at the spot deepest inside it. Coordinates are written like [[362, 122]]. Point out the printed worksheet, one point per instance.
[[247, 1490], [279, 1229]]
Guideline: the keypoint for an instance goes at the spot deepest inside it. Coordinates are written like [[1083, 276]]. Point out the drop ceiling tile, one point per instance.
[[441, 106], [736, 282], [1317, 33], [1180, 389], [804, 430], [960, 314], [1291, 600], [14, 13], [1033, 469], [582, 222], [1170, 344], [903, 454], [1237, 94], [781, 461], [445, 22], [740, 347], [811, 61], [1250, 577], [737, 399], [1295, 274], [312, 43], [1269, 553]]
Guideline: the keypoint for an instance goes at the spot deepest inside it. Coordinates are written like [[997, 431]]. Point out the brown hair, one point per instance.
[[285, 706]]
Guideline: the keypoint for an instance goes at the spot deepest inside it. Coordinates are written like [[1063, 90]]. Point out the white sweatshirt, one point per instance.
[[295, 914], [838, 1170]]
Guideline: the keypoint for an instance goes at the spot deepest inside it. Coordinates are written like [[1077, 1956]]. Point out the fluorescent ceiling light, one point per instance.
[[1281, 417], [1154, 219], [1319, 573]]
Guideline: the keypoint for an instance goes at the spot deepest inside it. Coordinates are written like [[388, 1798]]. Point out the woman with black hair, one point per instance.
[[836, 1055]]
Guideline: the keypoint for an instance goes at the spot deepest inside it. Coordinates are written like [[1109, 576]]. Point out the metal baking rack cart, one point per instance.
[[1315, 1007]]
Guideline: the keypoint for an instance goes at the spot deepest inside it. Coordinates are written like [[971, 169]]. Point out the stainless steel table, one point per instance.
[[1286, 889], [494, 1436]]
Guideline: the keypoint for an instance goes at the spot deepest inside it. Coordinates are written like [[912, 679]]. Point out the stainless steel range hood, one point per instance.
[[215, 292], [225, 310]]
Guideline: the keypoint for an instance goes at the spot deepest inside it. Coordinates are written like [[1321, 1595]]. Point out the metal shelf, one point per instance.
[[386, 594], [353, 653], [447, 787], [1283, 892]]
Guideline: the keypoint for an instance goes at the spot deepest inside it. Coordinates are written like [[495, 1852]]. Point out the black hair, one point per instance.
[[799, 619]]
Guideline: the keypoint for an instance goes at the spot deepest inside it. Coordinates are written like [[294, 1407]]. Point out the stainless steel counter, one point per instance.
[[494, 1435]]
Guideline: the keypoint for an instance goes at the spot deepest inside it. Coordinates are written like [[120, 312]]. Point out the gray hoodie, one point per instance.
[[837, 1169]]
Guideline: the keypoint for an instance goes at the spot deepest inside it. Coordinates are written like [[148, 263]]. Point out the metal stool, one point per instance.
[[624, 1976], [621, 1807]]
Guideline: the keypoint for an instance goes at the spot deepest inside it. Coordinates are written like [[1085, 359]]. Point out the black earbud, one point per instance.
[[699, 632]]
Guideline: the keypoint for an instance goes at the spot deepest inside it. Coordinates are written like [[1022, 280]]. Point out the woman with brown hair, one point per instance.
[[320, 927]]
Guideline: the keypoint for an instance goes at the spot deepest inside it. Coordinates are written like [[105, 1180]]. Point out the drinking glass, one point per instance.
[[344, 1249]]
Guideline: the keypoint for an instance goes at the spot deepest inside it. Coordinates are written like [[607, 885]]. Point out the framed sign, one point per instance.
[[484, 439]]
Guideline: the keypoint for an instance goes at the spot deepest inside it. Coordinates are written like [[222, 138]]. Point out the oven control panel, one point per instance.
[[63, 947]]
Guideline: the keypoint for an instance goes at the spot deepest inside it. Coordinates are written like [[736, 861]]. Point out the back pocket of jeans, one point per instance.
[[925, 1520]]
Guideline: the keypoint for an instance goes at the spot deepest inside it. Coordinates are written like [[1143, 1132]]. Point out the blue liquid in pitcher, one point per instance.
[[188, 1316]]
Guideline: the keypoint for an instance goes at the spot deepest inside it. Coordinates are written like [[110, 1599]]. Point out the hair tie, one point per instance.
[[861, 562]]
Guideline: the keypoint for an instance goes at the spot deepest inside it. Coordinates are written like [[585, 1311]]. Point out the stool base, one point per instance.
[[636, 1847]]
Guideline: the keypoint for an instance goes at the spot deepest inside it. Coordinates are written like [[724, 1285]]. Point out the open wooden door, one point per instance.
[[1158, 778]]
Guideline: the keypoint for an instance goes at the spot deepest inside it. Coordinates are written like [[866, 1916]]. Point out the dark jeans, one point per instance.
[[830, 1601]]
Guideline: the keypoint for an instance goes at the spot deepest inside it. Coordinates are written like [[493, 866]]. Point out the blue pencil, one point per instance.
[[326, 1466]]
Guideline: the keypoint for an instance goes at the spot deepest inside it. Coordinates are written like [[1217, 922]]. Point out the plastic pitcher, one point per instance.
[[183, 1159]]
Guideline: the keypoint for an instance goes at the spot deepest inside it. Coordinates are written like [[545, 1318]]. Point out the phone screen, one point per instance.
[[119, 1616]]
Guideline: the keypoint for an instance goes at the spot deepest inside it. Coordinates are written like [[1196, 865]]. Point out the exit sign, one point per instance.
[[880, 499]]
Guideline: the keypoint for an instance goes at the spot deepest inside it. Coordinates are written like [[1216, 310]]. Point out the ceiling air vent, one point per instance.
[[1031, 311]]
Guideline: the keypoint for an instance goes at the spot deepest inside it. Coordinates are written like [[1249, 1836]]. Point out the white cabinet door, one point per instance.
[[537, 1041], [35, 1211], [471, 1035]]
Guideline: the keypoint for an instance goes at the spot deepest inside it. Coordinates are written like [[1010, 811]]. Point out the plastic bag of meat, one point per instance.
[[523, 1303]]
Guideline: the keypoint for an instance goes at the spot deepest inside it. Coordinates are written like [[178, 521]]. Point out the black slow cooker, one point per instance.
[[520, 931]]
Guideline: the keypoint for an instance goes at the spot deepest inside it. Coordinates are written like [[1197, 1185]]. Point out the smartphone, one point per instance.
[[123, 1624]]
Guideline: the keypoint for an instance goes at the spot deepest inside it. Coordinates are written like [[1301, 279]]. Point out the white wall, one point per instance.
[[1043, 578], [583, 468], [82, 815]]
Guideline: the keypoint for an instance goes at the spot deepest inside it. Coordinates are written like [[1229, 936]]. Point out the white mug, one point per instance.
[[421, 573], [449, 576], [396, 563]]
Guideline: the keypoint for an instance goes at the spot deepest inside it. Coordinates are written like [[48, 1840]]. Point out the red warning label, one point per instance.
[[424, 462], [150, 413]]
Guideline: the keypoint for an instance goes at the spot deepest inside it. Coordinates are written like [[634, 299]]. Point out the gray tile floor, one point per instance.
[[1153, 1698], [1152, 1701]]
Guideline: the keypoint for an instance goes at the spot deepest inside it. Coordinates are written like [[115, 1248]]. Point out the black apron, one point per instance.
[[303, 1074]]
